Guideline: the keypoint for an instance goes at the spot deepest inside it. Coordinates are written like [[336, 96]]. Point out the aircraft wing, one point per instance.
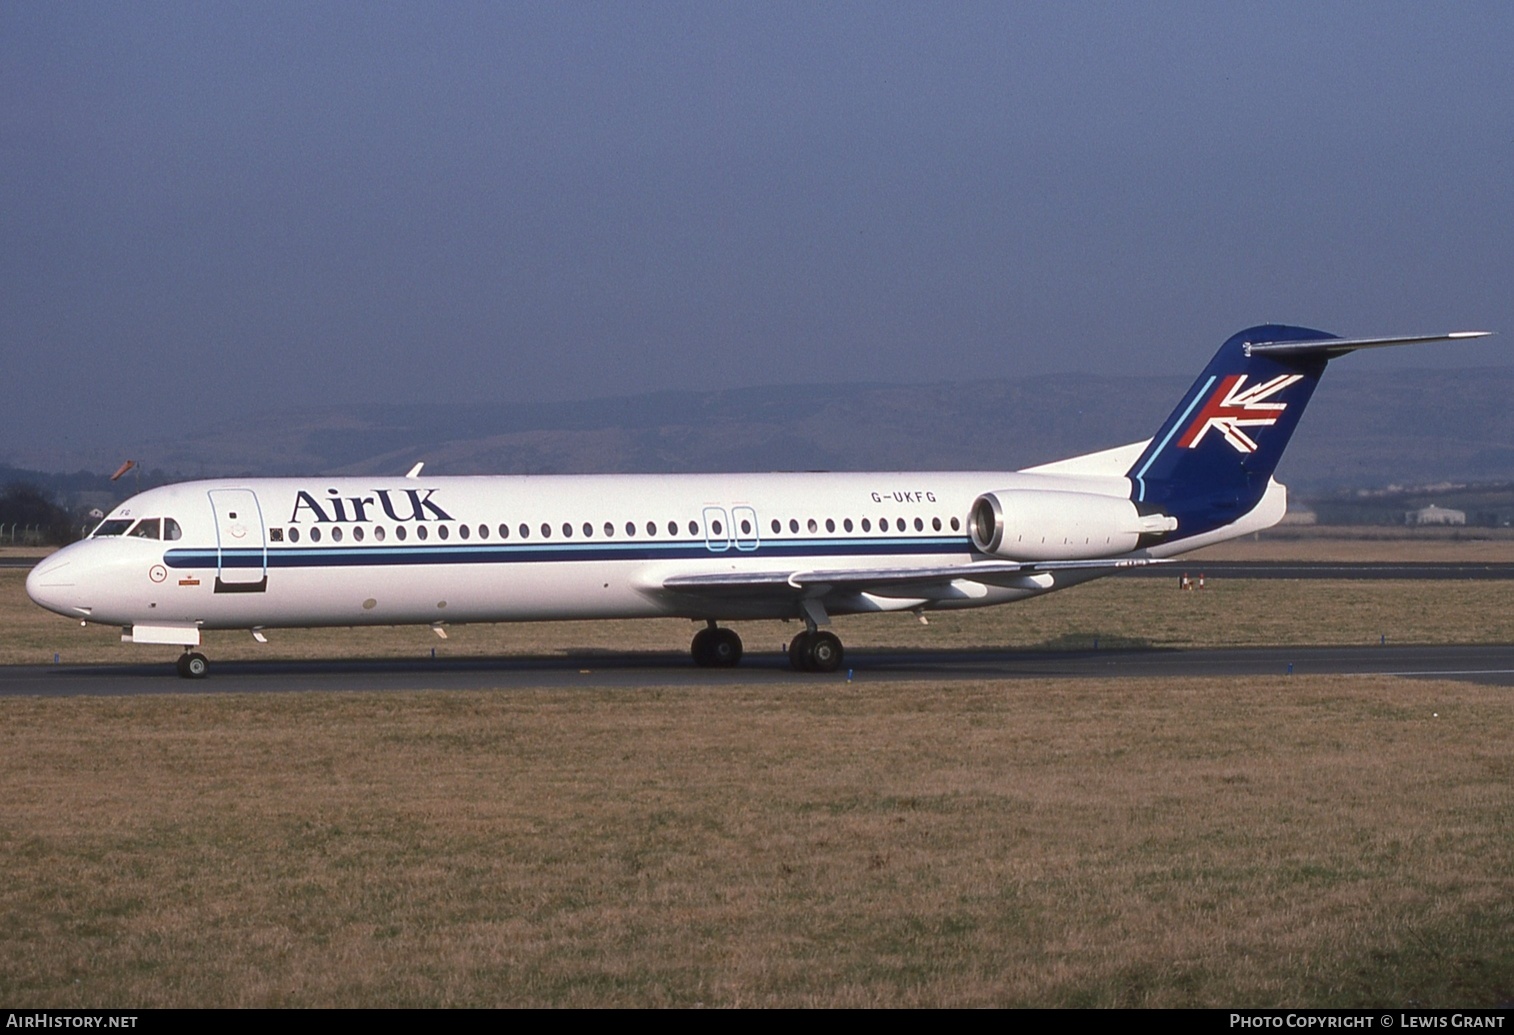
[[932, 581]]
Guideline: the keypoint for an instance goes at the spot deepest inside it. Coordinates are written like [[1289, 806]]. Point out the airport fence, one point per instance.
[[17, 534]]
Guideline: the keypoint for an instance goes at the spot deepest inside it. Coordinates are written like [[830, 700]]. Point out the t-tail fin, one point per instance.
[[1213, 457]]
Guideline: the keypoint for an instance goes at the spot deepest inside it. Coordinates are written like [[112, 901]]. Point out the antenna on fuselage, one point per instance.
[[415, 472]]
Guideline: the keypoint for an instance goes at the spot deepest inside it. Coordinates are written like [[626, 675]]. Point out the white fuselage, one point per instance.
[[350, 551], [378, 551]]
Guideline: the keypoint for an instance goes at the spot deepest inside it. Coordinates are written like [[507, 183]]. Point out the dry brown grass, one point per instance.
[[1369, 543], [1118, 611], [27, 553], [1306, 842]]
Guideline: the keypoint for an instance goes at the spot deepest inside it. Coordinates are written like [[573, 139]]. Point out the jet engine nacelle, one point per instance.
[[1051, 525]]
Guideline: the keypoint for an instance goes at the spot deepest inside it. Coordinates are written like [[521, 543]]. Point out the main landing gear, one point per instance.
[[815, 651], [810, 651], [192, 665], [714, 647]]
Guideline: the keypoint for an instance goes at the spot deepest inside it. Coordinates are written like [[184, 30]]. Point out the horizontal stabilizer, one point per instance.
[[1330, 348]]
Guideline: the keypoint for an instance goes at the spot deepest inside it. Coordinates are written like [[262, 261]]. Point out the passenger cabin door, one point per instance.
[[717, 531], [241, 544], [746, 532]]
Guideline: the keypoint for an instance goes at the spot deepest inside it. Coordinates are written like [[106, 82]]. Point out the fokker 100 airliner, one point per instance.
[[304, 552]]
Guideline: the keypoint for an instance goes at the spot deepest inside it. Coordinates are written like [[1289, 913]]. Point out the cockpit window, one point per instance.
[[148, 528]]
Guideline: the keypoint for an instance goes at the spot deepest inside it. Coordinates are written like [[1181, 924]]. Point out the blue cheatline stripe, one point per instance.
[[1180, 422], [356, 556]]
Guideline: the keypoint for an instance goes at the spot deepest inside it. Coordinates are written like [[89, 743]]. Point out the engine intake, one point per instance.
[[1051, 525]]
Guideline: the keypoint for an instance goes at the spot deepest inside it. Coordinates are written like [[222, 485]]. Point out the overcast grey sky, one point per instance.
[[210, 209]]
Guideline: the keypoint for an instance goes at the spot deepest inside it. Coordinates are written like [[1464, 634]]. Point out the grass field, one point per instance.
[[1325, 842], [1306, 841], [1116, 612], [1369, 543]]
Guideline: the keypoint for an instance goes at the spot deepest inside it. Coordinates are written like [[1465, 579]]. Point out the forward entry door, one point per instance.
[[241, 544]]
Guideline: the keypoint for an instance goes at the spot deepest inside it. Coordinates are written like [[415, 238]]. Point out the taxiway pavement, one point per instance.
[[1484, 664]]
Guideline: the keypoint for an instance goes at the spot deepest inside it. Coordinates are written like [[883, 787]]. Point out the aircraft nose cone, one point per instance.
[[50, 584]]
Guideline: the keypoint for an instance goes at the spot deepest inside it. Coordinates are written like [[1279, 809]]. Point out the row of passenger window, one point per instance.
[[717, 529], [899, 525]]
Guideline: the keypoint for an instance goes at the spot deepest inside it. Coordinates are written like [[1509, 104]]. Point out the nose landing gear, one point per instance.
[[192, 665]]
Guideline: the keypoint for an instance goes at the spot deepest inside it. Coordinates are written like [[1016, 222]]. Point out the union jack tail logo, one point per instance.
[[1233, 407]]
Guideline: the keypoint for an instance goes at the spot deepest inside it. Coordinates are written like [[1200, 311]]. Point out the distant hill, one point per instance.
[[1362, 429]]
